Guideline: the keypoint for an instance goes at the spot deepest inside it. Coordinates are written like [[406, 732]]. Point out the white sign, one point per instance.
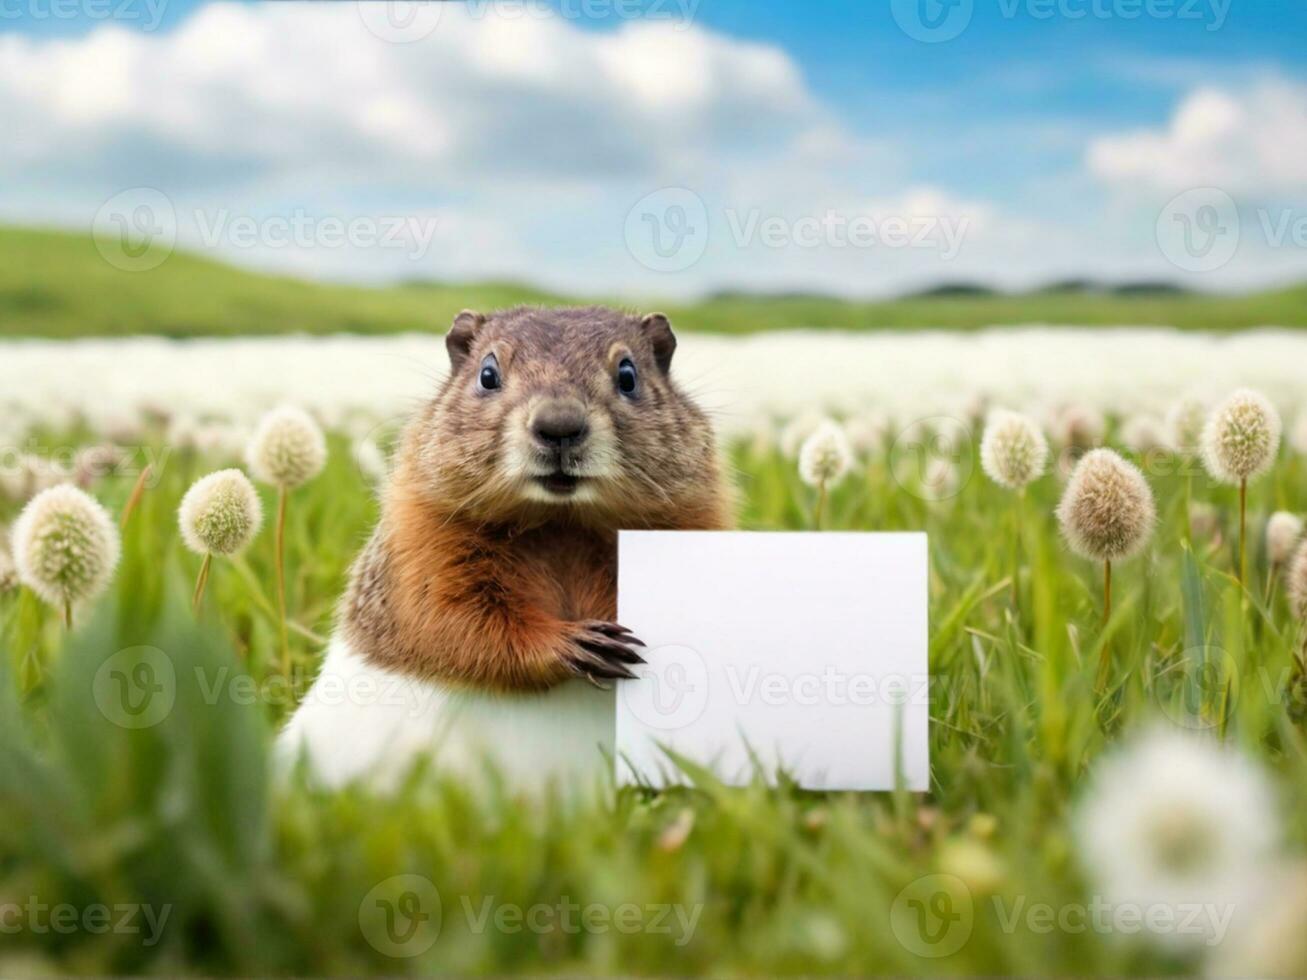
[[799, 652]]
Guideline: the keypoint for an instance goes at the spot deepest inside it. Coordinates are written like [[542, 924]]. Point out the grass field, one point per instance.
[[179, 815], [55, 284]]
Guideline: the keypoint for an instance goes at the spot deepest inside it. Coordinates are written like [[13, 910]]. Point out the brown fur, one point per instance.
[[469, 579]]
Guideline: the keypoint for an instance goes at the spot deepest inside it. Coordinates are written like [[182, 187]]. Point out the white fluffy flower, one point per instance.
[[1107, 511], [220, 513], [1141, 434], [287, 448], [65, 546], [370, 460], [1298, 438], [8, 573], [1272, 941], [1282, 533], [795, 432], [1184, 424], [1013, 451], [1241, 437], [1077, 425], [1204, 519], [1177, 820], [825, 455], [867, 432], [1298, 583]]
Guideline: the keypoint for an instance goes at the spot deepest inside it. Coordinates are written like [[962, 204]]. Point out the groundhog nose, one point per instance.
[[557, 424]]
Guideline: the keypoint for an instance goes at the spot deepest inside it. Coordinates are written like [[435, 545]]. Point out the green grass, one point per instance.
[[261, 880], [55, 284]]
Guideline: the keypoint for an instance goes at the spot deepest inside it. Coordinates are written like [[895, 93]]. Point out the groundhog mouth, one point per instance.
[[560, 483]]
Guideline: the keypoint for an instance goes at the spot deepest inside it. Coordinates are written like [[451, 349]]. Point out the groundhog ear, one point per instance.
[[459, 339], [659, 331]]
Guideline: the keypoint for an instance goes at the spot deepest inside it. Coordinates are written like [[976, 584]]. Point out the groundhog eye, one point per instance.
[[626, 377], [488, 379]]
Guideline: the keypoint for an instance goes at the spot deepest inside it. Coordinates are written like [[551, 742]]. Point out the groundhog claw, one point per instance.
[[602, 650], [616, 630]]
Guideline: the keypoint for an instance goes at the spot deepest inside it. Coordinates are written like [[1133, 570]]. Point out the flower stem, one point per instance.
[[1243, 529], [1105, 655], [1107, 591], [68, 613], [1016, 543], [280, 545], [134, 498], [821, 505], [200, 582]]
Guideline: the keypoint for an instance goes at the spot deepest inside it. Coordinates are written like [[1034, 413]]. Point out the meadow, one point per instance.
[[171, 812], [57, 284]]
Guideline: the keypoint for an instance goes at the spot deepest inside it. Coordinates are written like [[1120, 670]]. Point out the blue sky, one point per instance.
[[1037, 138]]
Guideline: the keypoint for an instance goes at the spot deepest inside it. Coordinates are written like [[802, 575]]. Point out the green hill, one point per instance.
[[56, 284]]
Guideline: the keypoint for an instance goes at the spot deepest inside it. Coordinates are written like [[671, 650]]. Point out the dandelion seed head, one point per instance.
[[1176, 818], [1107, 511], [220, 440], [1241, 437], [8, 573], [825, 456], [1142, 434], [1282, 533], [1078, 426], [94, 463], [287, 448], [941, 479], [1183, 426], [1204, 519], [1268, 940], [1013, 451], [1298, 438], [65, 545], [370, 460], [1298, 583], [795, 432], [867, 432], [220, 513]]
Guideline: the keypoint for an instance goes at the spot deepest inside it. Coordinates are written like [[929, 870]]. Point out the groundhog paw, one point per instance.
[[600, 651]]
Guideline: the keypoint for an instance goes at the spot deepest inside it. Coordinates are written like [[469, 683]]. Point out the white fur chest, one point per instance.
[[360, 722]]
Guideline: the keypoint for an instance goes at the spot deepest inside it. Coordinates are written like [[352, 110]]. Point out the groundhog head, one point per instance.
[[566, 412]]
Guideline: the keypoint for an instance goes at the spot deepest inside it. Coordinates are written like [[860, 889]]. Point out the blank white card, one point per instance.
[[801, 652]]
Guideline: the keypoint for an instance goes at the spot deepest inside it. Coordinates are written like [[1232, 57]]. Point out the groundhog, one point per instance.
[[479, 620]]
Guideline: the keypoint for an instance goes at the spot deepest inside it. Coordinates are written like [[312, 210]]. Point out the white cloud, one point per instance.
[[287, 88], [1250, 141], [523, 143]]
